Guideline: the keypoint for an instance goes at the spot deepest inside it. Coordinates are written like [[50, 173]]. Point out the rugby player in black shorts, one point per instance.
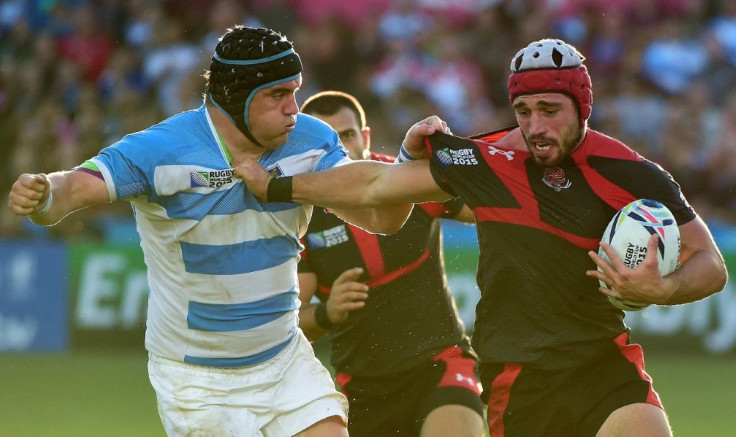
[[555, 356], [399, 349]]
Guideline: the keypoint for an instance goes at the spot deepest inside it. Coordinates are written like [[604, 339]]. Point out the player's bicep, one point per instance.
[[694, 237]]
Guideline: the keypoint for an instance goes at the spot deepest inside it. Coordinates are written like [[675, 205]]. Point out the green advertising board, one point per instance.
[[109, 293]]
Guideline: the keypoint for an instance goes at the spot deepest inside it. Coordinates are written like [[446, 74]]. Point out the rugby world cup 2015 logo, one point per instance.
[[447, 157], [328, 237], [211, 178]]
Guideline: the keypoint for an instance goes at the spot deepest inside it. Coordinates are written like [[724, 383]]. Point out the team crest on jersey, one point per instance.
[[328, 237], [447, 157], [211, 178], [554, 177], [275, 171]]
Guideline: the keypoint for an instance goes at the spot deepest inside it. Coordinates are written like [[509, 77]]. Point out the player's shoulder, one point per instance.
[[604, 146], [313, 128], [164, 142], [184, 128]]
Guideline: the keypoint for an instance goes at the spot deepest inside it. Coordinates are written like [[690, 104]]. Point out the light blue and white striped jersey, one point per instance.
[[221, 264]]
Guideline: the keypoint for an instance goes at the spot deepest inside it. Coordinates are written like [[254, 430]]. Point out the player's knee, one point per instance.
[[636, 420], [455, 420]]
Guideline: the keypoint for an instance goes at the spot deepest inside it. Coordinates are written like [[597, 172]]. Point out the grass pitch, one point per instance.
[[93, 393]]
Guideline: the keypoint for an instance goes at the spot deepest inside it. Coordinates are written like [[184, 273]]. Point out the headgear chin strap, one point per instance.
[[247, 60], [551, 65]]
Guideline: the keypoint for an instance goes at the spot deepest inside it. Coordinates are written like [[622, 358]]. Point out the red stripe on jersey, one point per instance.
[[459, 370], [370, 251], [615, 196], [500, 395], [634, 354], [343, 379], [389, 277], [513, 216], [434, 209], [523, 193]]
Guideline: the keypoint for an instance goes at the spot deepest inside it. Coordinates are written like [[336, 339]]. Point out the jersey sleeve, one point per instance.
[[123, 167], [335, 154], [658, 183], [438, 148]]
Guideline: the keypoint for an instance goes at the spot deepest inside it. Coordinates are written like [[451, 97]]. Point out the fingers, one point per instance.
[[254, 176], [346, 295], [652, 250], [347, 292], [432, 124], [348, 275], [27, 193]]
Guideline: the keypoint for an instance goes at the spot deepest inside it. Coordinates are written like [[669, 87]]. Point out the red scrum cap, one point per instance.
[[552, 65]]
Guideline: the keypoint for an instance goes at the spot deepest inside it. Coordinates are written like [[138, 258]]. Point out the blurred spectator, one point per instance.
[[168, 60], [674, 59], [76, 74], [404, 23], [723, 28], [721, 166], [720, 75], [449, 78], [87, 45]]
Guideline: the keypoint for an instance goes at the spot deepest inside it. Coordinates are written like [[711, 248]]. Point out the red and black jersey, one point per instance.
[[410, 314], [535, 226]]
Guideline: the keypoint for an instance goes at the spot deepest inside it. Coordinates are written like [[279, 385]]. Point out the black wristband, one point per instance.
[[279, 189], [321, 318]]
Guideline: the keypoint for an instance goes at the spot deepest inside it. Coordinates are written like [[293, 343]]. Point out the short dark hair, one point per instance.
[[327, 103]]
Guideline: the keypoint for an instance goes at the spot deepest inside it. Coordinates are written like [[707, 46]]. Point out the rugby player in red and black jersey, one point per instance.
[[555, 355], [401, 355]]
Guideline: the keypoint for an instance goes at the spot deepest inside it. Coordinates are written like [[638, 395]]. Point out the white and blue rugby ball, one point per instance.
[[628, 233]]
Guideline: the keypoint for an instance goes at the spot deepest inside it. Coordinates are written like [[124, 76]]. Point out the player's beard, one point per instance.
[[570, 139]]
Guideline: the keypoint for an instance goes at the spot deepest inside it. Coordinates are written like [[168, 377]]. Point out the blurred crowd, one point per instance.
[[77, 75]]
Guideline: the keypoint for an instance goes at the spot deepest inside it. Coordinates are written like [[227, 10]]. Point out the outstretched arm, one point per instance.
[[373, 195], [361, 192], [46, 199]]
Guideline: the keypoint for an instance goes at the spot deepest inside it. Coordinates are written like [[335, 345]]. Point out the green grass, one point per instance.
[[108, 394], [698, 392], [77, 395]]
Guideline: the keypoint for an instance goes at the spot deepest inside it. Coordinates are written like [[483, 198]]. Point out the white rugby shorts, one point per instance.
[[278, 398]]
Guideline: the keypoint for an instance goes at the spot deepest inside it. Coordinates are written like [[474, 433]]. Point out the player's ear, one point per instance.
[[366, 132]]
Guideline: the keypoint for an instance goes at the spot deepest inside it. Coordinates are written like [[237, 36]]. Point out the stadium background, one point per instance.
[[76, 75]]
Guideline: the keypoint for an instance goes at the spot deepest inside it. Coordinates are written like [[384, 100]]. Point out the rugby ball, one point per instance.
[[628, 233]]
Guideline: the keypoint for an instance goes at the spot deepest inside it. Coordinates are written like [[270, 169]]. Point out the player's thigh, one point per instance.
[[193, 401], [333, 426], [454, 420], [636, 420], [306, 395]]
